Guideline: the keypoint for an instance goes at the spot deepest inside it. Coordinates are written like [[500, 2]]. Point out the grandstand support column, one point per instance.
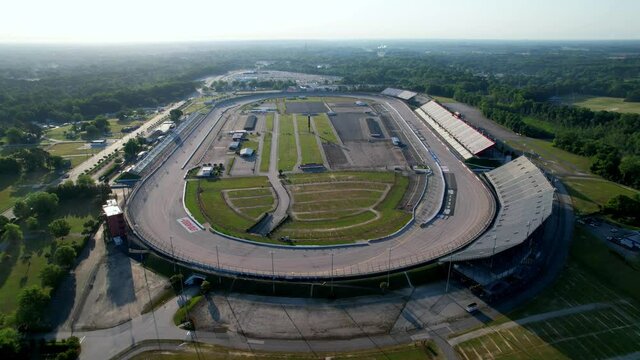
[[446, 289], [273, 273]]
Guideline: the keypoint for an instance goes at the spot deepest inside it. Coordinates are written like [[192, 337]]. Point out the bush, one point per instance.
[[65, 256]]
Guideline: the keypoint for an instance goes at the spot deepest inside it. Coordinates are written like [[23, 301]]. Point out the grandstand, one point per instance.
[[526, 201], [466, 140], [399, 93]]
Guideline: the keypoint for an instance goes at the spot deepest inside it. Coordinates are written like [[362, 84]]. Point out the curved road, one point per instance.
[[154, 208]]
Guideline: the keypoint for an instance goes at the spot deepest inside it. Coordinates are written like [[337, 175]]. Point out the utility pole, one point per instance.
[[389, 268], [332, 273], [273, 273]]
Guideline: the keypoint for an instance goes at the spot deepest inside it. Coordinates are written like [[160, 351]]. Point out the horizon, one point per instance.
[[146, 21]]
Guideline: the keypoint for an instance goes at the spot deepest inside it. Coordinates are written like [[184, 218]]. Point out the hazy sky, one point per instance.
[[155, 20]]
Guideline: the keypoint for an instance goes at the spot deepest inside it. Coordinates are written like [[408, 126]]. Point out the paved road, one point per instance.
[[157, 205], [119, 143]]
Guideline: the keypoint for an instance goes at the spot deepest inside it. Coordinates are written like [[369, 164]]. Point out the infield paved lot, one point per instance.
[[158, 203], [307, 107]]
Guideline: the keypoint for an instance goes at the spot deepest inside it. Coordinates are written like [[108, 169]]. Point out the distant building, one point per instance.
[[246, 152], [235, 145], [237, 136], [98, 143], [250, 123], [205, 171], [115, 219]]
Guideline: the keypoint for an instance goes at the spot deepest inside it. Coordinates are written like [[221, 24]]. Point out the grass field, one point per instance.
[[13, 188], [21, 264], [342, 207], [265, 155], [70, 148], [269, 122], [545, 126], [589, 194], [309, 148], [287, 150], [603, 103], [558, 160], [210, 206], [594, 276], [115, 127], [325, 129], [426, 351]]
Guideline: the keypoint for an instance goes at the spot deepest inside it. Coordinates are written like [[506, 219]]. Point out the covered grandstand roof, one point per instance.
[[465, 135], [399, 93], [526, 200]]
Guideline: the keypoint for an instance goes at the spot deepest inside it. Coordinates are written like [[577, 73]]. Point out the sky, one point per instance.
[[89, 21]]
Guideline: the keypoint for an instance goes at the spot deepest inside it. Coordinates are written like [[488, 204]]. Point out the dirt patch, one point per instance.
[[119, 292], [335, 156]]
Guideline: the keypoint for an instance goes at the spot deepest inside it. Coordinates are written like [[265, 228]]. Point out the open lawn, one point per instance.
[[426, 351], [70, 148], [342, 207], [308, 143], [588, 194], [325, 129], [13, 188], [269, 122], [541, 125], [208, 205], [558, 160], [265, 155], [287, 150], [603, 103], [21, 263]]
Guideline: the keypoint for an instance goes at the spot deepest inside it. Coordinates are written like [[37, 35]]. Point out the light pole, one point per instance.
[[273, 273], [389, 268], [331, 273], [218, 261]]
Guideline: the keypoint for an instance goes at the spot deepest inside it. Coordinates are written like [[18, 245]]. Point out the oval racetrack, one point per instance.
[[153, 210]]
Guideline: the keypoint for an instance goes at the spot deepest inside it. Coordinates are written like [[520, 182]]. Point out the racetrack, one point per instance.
[[155, 206]]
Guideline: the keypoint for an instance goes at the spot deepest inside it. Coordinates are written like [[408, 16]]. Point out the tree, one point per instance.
[[12, 233], [10, 343], [205, 287], [32, 302], [15, 135], [51, 275], [21, 209], [92, 131], [31, 222], [42, 203], [101, 123], [65, 256], [175, 114], [131, 149], [85, 180], [10, 166], [630, 170], [59, 228], [58, 162]]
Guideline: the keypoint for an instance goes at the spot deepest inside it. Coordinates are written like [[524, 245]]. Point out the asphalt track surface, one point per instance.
[[153, 211]]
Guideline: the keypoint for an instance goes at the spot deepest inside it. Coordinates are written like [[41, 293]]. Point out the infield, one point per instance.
[[343, 207]]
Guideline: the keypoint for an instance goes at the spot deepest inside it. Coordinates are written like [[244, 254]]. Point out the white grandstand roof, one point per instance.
[[399, 93], [472, 140], [526, 200], [455, 144]]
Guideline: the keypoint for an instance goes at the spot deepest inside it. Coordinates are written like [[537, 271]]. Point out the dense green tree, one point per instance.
[[65, 256], [42, 203], [21, 209], [51, 275], [32, 223], [92, 132], [12, 233], [175, 114], [10, 343], [630, 170], [131, 149], [59, 228], [85, 180], [15, 136], [32, 302], [9, 166]]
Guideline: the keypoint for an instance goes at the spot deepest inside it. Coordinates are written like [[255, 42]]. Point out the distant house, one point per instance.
[[246, 152], [237, 136], [205, 171], [235, 145], [99, 143]]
